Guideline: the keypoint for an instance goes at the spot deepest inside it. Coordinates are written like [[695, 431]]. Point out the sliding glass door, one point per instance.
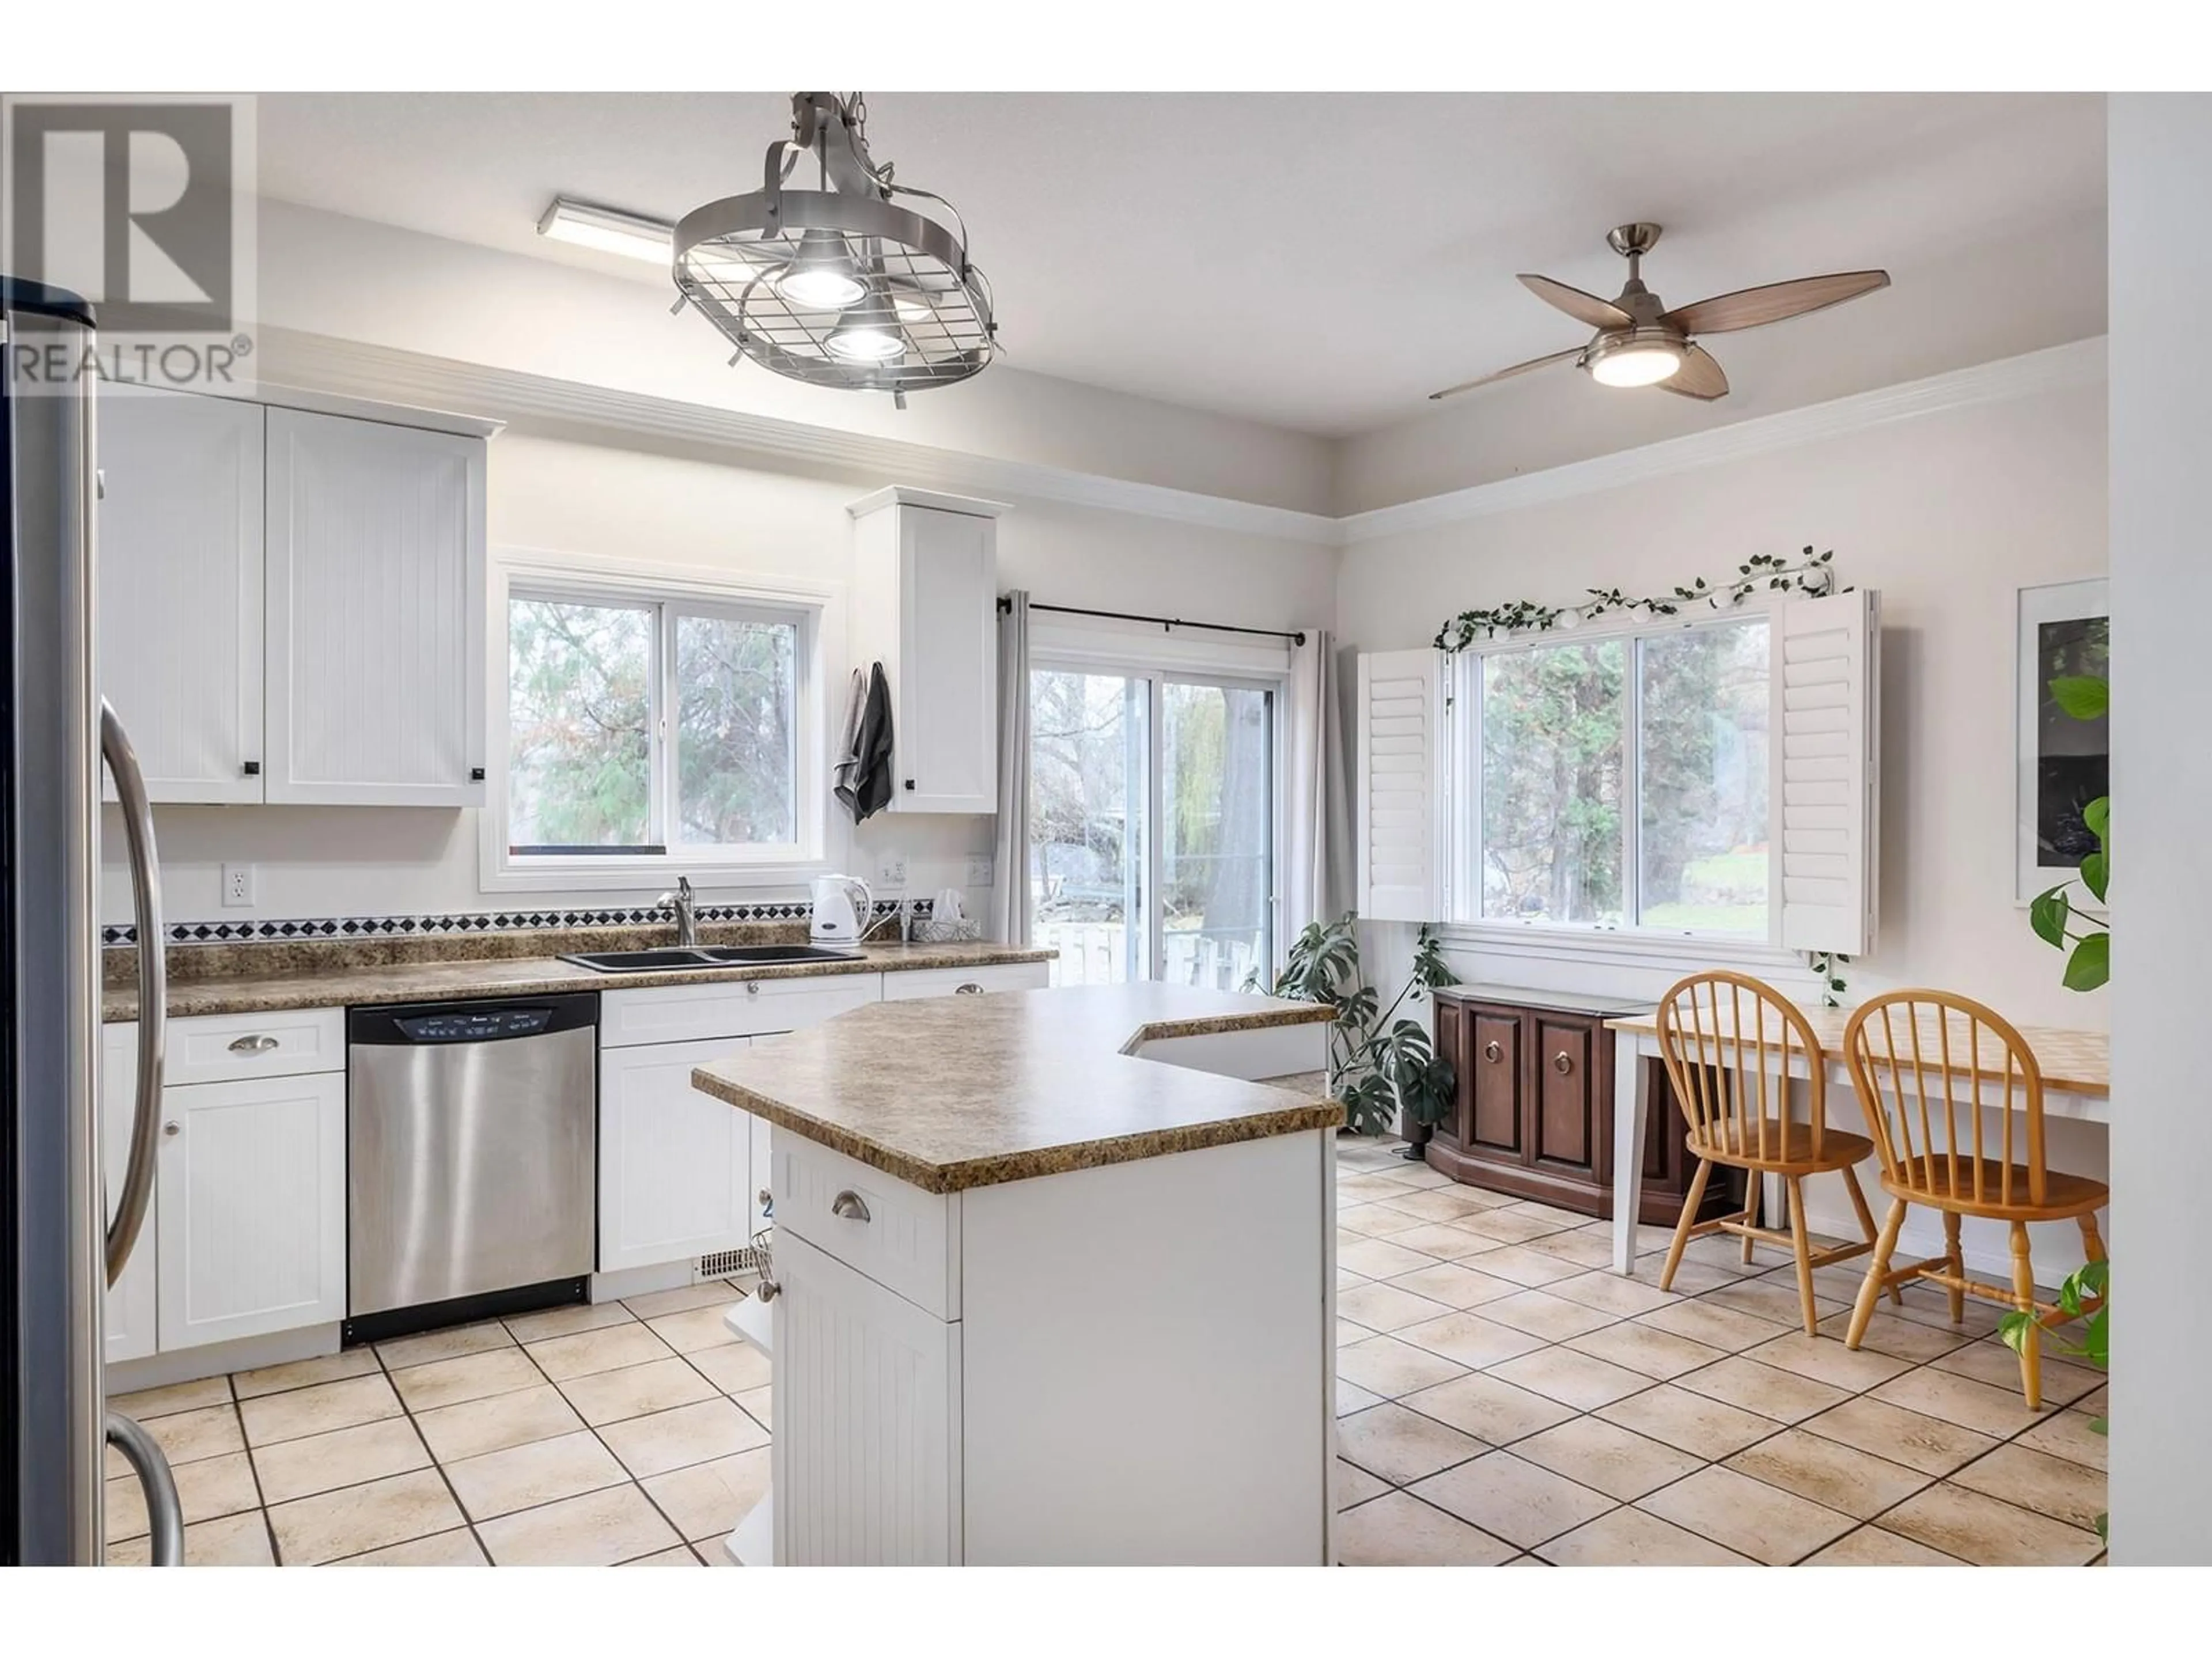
[[1151, 826]]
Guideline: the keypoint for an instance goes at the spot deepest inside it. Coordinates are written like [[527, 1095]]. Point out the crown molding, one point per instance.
[[352, 369], [355, 368], [2081, 362]]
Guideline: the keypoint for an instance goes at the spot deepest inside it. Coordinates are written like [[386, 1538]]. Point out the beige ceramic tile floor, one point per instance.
[[631, 1433], [1502, 1399]]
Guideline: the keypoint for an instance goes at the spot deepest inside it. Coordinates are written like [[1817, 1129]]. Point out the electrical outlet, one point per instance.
[[238, 883], [979, 869], [890, 870]]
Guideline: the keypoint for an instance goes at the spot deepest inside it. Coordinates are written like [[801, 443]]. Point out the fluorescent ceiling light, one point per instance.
[[606, 230]]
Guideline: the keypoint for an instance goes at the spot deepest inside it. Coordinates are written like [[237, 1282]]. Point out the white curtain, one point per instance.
[[1317, 881], [1009, 850]]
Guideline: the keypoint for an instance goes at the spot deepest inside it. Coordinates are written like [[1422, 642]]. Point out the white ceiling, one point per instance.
[[1316, 261]]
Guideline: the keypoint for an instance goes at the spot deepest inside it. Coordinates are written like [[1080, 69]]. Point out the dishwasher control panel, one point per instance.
[[482, 1025]]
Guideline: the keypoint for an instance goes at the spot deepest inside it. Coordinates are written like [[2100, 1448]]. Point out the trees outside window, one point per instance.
[[639, 726], [1623, 781]]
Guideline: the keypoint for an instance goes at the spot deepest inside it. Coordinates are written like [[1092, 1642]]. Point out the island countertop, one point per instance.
[[947, 1093]]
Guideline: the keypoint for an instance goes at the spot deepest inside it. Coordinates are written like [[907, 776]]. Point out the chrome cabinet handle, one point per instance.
[[1561, 1063], [849, 1205], [971, 989], [1492, 1052], [165, 1511], [172, 1128], [153, 984], [752, 988], [256, 1044], [768, 1289]]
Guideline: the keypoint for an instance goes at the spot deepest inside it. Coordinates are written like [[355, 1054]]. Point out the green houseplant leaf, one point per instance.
[[2094, 872], [2047, 915], [2091, 964], [2084, 696]]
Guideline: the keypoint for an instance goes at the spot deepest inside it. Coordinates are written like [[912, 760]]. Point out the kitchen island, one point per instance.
[[1052, 1279]]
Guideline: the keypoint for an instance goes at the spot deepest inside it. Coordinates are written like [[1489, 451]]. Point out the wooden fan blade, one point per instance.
[[1582, 307], [1508, 374], [1700, 377], [1749, 307]]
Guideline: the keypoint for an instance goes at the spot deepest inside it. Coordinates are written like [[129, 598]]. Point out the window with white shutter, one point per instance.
[[1711, 775], [1400, 809]]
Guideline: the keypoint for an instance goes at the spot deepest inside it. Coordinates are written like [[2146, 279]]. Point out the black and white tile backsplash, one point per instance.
[[482, 921]]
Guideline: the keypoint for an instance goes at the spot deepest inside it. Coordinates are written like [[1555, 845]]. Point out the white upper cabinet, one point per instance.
[[926, 605], [375, 641], [180, 588]]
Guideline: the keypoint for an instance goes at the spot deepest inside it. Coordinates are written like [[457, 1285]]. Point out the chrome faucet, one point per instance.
[[686, 909]]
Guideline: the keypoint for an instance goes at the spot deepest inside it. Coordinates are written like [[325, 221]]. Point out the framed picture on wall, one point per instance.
[[2064, 764]]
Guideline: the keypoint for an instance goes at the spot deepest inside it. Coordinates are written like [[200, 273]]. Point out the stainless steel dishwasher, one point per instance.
[[470, 1168]]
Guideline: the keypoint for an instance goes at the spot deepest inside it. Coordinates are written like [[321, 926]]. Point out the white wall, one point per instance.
[[2161, 255], [688, 509], [326, 274], [1948, 515]]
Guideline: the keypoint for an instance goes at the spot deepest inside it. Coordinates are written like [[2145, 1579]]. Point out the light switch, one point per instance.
[[979, 869]]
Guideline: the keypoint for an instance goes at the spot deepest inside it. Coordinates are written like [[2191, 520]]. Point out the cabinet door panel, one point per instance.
[[1560, 1128], [867, 1449], [252, 1214], [376, 612], [133, 1319], [180, 570], [947, 726], [675, 1165], [1494, 1055]]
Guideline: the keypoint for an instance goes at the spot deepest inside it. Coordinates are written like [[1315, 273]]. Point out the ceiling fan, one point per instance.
[[1640, 342]]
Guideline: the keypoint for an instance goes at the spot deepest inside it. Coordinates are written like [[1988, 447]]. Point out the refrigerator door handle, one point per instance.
[[153, 995], [165, 1510]]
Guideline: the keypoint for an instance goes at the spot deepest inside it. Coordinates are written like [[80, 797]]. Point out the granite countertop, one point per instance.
[[458, 979], [947, 1093]]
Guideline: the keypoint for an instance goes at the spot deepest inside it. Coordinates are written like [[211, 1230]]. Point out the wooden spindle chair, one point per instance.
[[1728, 1041], [1932, 1071]]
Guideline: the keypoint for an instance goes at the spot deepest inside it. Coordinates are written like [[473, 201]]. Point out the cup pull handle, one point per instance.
[[256, 1044], [849, 1205]]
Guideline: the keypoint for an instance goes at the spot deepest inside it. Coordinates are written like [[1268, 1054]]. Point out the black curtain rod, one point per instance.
[[1299, 638]]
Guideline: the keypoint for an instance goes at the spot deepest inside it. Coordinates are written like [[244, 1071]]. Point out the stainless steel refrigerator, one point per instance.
[[64, 1236]]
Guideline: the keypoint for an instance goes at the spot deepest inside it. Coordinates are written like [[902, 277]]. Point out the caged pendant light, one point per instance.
[[839, 285]]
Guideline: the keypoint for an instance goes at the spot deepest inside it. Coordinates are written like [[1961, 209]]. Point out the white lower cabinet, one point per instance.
[[675, 1165], [132, 1331], [866, 1456], [252, 1219]]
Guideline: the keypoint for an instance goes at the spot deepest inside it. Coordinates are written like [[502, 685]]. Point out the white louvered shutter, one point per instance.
[[1400, 846], [1827, 771]]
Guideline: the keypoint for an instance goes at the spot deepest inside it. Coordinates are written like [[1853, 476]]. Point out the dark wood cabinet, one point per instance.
[[1533, 1114]]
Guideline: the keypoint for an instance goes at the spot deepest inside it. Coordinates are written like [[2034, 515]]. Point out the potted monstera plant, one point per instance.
[[1382, 1066]]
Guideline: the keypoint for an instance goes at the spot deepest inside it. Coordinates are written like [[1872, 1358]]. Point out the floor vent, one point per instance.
[[727, 1264]]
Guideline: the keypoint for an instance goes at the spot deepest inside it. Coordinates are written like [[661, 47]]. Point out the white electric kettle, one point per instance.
[[841, 907]]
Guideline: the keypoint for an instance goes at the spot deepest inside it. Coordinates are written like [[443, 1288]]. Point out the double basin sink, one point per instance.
[[686, 958]]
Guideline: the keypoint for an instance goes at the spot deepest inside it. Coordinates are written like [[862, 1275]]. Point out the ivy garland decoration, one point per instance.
[[1811, 573], [1830, 966]]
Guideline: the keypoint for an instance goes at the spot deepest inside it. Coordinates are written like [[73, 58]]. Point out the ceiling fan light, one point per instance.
[[1633, 362], [821, 276]]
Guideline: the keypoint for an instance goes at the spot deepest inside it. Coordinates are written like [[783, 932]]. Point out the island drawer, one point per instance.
[[966, 982], [224, 1047], [905, 1239], [729, 1008]]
